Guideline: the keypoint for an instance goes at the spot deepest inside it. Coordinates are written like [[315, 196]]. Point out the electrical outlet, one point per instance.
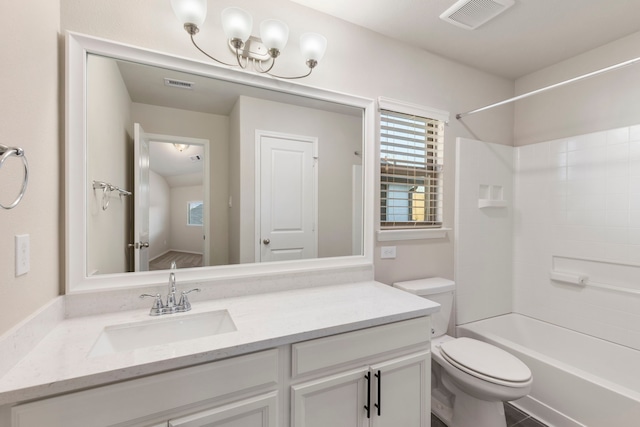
[[22, 254], [388, 252]]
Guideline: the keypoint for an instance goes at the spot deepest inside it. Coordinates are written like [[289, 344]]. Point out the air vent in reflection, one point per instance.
[[178, 83], [470, 14]]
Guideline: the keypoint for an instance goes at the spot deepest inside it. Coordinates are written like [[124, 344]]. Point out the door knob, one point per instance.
[[266, 241], [138, 245]]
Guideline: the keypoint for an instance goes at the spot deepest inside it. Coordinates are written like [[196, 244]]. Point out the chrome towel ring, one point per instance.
[[5, 153]]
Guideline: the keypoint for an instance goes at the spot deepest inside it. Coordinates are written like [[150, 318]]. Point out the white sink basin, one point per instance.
[[162, 330]]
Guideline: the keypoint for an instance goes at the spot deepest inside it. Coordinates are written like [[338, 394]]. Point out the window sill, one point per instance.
[[419, 234]]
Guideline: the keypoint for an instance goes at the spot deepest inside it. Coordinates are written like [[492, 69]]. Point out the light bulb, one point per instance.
[[274, 34], [313, 46], [181, 147], [236, 23], [190, 11]]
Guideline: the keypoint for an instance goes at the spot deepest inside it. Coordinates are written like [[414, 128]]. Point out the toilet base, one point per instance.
[[441, 406], [471, 412]]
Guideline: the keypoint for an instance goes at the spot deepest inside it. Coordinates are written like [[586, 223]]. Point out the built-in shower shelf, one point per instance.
[[490, 203]]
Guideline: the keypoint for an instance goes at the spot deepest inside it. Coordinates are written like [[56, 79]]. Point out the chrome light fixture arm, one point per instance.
[[311, 63], [189, 28]]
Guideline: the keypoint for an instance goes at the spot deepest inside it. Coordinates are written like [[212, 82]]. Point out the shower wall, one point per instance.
[[483, 224], [577, 211], [574, 209]]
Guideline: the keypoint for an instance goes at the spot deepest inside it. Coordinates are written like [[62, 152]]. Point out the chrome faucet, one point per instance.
[[158, 308]]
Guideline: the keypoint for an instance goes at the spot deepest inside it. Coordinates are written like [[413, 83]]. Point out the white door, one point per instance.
[[286, 206], [141, 199], [401, 392]]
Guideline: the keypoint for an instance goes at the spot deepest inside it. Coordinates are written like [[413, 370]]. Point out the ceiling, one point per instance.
[[146, 85], [531, 35]]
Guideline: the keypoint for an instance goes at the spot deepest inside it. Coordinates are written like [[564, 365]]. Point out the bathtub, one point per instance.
[[578, 380]]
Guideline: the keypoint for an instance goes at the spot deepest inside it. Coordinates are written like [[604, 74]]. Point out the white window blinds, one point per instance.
[[411, 162]]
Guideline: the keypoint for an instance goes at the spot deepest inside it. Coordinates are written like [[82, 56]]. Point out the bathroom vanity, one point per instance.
[[343, 355], [305, 342]]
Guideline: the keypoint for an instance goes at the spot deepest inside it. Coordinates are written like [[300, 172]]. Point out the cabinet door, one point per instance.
[[401, 392], [335, 401], [259, 411]]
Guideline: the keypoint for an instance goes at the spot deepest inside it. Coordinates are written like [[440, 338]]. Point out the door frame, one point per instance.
[[258, 169], [206, 191]]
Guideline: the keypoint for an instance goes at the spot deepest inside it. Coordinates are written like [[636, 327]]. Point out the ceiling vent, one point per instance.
[[470, 14], [178, 83]]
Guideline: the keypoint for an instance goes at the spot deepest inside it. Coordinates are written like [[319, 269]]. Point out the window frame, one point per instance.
[[407, 230], [189, 203]]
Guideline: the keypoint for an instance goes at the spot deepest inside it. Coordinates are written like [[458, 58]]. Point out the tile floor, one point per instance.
[[515, 418]]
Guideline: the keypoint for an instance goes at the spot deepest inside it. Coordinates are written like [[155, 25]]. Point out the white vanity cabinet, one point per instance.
[[374, 377], [329, 381], [260, 411], [240, 391]]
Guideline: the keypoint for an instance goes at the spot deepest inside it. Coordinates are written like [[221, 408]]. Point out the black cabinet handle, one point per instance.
[[367, 406], [379, 404]]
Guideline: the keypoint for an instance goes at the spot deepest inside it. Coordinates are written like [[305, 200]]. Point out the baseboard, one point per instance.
[[544, 413]]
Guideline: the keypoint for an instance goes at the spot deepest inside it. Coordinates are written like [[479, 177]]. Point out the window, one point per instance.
[[411, 162], [194, 213]]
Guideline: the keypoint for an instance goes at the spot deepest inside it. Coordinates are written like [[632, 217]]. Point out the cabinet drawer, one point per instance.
[[136, 399], [333, 351]]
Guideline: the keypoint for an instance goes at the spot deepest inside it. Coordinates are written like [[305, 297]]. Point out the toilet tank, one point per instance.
[[437, 290]]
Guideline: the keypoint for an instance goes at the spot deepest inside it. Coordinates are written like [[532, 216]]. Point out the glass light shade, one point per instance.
[[274, 34], [313, 46], [190, 11], [236, 23]]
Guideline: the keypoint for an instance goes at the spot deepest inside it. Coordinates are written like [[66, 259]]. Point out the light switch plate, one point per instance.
[[22, 254]]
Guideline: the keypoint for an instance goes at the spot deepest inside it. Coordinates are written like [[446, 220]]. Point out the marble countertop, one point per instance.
[[59, 363]]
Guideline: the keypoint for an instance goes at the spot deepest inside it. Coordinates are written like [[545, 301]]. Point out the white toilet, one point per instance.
[[470, 379]]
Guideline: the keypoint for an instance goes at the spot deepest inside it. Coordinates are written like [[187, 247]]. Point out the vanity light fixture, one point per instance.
[[237, 25]]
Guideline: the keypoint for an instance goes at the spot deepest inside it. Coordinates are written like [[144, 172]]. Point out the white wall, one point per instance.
[[578, 211], [159, 215], [484, 248], [607, 101], [186, 238], [358, 61], [30, 119], [109, 154]]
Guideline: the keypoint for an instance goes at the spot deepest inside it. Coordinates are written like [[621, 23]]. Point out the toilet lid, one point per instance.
[[477, 357]]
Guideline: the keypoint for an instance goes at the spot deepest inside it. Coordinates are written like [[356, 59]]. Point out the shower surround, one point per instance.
[[568, 207]]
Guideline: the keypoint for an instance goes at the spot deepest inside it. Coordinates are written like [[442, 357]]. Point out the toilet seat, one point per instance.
[[486, 362]]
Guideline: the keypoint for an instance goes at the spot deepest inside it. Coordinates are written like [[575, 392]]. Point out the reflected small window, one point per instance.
[[194, 213]]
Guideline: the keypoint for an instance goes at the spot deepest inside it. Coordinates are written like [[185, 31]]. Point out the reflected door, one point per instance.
[[287, 207], [141, 198]]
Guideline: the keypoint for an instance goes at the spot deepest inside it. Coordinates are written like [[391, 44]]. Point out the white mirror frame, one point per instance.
[[78, 46]]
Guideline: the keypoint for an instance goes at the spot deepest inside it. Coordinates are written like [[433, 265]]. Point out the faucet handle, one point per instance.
[[157, 307], [184, 303]]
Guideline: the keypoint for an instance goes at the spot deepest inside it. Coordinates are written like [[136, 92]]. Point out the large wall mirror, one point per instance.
[[219, 172]]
